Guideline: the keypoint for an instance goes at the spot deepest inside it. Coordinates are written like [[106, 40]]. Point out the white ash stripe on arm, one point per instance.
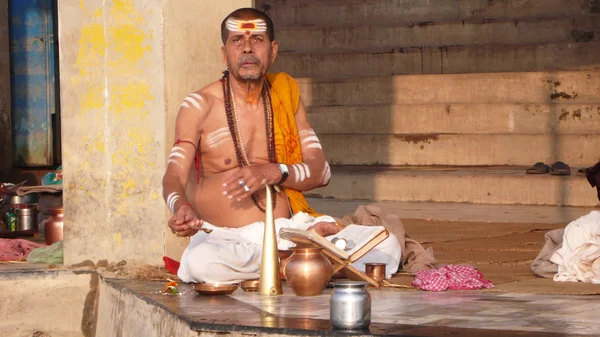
[[193, 101], [197, 97], [171, 199], [176, 155], [314, 146], [302, 174], [296, 173], [173, 161], [310, 139], [307, 170], [326, 174], [184, 105], [306, 133], [178, 149]]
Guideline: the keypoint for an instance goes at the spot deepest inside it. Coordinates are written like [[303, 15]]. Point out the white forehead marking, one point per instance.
[[258, 25]]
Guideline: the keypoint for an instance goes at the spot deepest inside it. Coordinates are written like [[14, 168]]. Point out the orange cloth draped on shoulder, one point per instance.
[[285, 98]]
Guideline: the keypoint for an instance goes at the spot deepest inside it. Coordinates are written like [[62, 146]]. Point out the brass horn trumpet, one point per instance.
[[270, 280]]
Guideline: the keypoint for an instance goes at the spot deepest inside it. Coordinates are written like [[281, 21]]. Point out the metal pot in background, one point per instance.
[[27, 219], [350, 306], [24, 199], [53, 228]]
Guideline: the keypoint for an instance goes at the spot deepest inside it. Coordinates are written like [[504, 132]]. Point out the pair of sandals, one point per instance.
[[558, 169]]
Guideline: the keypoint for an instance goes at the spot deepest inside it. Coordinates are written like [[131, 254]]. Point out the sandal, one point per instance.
[[560, 169], [538, 168]]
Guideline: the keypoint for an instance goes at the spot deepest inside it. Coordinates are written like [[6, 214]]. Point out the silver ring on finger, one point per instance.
[[246, 189], [241, 182]]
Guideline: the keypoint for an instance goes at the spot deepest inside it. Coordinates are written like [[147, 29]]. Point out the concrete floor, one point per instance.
[[394, 312]]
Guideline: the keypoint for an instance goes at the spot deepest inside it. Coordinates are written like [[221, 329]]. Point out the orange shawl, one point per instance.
[[285, 98]]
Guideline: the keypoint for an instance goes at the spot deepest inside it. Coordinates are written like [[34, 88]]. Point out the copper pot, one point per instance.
[[53, 228], [307, 271]]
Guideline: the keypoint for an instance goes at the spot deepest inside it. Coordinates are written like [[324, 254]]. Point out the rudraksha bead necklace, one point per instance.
[[236, 134]]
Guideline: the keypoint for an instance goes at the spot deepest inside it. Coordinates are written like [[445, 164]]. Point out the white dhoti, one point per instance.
[[231, 255]]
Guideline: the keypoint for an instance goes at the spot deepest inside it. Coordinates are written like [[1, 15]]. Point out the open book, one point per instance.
[[363, 237]]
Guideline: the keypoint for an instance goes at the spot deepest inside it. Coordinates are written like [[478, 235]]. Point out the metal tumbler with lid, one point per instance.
[[350, 305], [27, 219]]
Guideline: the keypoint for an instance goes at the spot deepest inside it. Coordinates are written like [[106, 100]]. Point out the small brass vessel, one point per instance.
[[375, 271], [249, 285], [214, 289]]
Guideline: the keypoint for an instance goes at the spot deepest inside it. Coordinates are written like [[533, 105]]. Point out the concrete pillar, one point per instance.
[[125, 66], [5, 124]]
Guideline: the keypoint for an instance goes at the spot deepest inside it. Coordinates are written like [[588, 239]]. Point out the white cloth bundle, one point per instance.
[[577, 260]]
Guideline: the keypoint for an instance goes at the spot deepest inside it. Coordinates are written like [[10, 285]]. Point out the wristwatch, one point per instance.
[[284, 173]]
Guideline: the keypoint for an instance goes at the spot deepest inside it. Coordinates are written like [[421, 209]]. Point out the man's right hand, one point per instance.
[[184, 222]]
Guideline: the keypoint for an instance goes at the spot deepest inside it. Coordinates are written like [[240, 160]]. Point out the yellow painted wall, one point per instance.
[[125, 67], [112, 103]]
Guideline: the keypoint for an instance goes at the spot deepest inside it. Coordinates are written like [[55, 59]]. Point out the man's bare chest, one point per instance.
[[225, 140]]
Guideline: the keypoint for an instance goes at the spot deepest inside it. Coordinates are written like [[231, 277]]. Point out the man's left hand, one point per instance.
[[325, 228], [250, 179]]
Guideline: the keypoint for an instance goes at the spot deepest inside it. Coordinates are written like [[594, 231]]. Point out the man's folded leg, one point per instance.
[[223, 256]]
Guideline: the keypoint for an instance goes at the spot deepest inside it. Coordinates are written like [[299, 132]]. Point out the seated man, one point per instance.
[[245, 131]]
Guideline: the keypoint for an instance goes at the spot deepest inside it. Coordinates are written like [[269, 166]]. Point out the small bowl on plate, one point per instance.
[[249, 285], [214, 288]]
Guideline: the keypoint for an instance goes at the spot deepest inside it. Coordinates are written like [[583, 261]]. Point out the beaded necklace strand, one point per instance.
[[236, 134]]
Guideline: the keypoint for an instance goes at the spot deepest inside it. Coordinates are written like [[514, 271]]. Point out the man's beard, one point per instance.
[[255, 76]]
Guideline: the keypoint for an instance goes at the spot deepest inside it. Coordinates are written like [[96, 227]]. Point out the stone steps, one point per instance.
[[557, 87], [398, 35], [460, 149], [454, 211], [348, 12], [463, 118], [485, 185], [441, 60], [465, 83]]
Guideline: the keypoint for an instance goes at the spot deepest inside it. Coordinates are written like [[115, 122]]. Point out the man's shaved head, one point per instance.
[[247, 19]]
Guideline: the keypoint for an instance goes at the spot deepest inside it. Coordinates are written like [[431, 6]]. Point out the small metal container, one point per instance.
[[350, 306], [376, 271], [24, 199], [27, 219]]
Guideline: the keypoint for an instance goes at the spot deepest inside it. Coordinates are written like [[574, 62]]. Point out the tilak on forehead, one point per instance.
[[247, 26]]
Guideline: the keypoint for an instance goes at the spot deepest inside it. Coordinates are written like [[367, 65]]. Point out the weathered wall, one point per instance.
[[5, 128], [56, 303], [125, 66], [121, 313], [192, 45], [112, 103]]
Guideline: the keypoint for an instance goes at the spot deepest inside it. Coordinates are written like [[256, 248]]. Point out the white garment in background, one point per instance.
[[578, 259], [231, 255]]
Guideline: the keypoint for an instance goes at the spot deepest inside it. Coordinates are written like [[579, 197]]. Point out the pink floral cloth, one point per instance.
[[16, 249], [452, 277]]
